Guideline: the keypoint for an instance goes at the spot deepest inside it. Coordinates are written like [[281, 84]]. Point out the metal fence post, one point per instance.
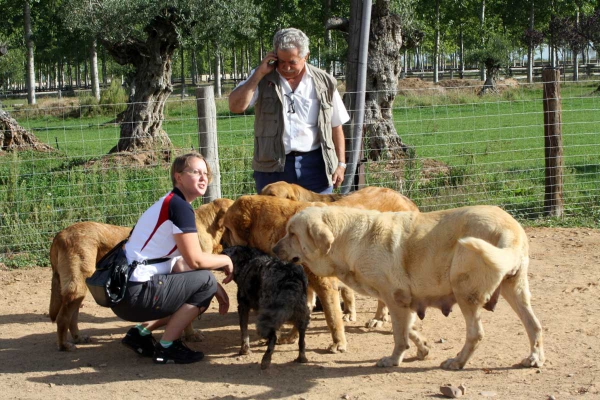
[[207, 138], [553, 197]]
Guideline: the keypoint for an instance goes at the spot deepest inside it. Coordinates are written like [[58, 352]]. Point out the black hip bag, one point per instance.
[[108, 284]]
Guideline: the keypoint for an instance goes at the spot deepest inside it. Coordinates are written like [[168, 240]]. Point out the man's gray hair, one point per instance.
[[291, 38]]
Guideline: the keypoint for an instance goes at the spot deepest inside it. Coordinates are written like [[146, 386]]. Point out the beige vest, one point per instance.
[[269, 152]]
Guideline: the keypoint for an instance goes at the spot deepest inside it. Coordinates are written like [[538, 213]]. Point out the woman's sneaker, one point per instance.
[[177, 353], [143, 345]]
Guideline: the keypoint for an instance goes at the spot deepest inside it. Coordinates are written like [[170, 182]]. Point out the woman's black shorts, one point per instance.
[[164, 294]]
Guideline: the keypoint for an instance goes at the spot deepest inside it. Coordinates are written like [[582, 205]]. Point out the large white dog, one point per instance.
[[413, 260]]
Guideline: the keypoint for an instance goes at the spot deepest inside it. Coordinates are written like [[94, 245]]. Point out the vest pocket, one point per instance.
[[265, 129], [325, 111]]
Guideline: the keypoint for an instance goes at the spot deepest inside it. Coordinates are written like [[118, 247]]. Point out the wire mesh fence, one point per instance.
[[460, 149]]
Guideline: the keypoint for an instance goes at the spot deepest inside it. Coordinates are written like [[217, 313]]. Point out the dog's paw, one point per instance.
[[301, 359], [351, 317], [266, 361], [387, 362], [196, 336], [245, 350], [82, 339], [66, 346], [533, 361], [453, 364], [374, 323], [337, 348], [423, 352]]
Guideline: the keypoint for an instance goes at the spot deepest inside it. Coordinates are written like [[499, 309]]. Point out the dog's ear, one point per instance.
[[320, 234]]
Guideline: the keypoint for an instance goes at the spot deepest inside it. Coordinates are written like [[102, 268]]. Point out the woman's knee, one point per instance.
[[211, 284], [205, 291]]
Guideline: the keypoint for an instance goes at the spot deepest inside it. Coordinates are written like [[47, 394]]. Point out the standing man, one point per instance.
[[298, 136]]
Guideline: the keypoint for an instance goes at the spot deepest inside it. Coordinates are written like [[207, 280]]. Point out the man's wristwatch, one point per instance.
[[341, 164]]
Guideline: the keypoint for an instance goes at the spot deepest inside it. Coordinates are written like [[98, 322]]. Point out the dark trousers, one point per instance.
[[162, 295], [304, 169]]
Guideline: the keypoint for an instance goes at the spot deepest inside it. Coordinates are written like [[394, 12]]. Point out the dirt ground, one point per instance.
[[564, 277]]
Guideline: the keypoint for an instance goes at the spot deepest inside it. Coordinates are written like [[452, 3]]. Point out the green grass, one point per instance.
[[486, 150]]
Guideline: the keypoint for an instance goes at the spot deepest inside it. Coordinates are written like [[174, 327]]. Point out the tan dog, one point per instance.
[[295, 192], [76, 249], [259, 221], [372, 198], [412, 261]]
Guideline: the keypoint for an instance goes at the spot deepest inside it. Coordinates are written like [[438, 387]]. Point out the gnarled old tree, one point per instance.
[[493, 56], [383, 69], [150, 87], [144, 34]]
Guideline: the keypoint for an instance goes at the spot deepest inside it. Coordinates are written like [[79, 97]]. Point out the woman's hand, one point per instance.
[[223, 299], [228, 269]]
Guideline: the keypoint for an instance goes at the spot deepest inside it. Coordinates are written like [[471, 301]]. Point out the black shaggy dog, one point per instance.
[[277, 290]]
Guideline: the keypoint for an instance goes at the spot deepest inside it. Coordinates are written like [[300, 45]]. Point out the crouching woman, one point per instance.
[[172, 283]]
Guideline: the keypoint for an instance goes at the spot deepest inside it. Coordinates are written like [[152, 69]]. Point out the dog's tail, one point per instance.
[[503, 260], [55, 297]]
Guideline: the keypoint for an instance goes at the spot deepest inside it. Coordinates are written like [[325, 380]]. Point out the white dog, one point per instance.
[[413, 260]]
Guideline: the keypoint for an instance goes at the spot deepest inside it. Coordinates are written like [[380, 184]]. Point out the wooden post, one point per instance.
[[553, 198], [207, 138]]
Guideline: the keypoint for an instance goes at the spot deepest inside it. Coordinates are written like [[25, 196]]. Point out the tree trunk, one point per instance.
[[327, 37], [30, 76], [61, 74], [141, 128], [70, 74], [405, 64], [248, 62], [194, 68], [85, 73], [383, 69], [575, 51], [482, 27], [78, 74], [489, 86], [235, 63], [462, 54], [530, 49], [182, 72], [217, 82], [436, 48], [104, 72], [94, 71]]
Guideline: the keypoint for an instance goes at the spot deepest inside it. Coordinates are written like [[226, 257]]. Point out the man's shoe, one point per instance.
[[177, 353], [143, 345]]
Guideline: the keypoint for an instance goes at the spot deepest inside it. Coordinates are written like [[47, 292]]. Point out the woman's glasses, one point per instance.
[[197, 172]]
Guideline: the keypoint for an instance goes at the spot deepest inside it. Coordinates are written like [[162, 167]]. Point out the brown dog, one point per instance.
[[259, 221], [295, 192], [413, 261], [76, 249], [372, 198]]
